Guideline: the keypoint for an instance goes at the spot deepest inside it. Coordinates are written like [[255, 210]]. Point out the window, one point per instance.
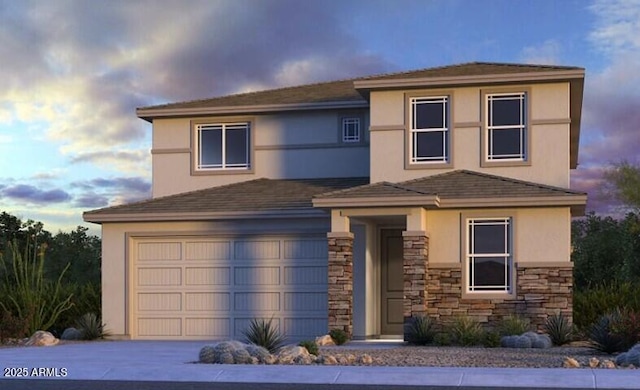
[[350, 129], [489, 255], [506, 130], [223, 146], [429, 134]]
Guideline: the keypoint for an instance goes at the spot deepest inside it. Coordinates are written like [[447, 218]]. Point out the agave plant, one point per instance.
[[602, 336], [91, 327], [559, 329], [265, 334]]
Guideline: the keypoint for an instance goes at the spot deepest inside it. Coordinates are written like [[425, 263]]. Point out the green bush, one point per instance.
[[264, 334], [591, 304], [310, 345], [491, 339], [339, 336], [513, 325], [26, 293], [86, 298], [443, 339], [559, 329], [421, 330], [466, 331], [602, 336], [91, 327], [12, 327]]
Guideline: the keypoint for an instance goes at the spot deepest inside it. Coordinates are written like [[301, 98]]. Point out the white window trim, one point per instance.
[[346, 121], [224, 165], [508, 286], [489, 129], [413, 159]]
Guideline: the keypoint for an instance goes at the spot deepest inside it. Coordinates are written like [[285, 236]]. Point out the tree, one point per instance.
[[623, 183], [80, 250]]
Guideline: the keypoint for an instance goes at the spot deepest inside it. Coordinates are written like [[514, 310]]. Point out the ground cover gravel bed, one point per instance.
[[431, 356]]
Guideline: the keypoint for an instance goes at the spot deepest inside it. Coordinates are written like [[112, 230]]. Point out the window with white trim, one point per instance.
[[489, 255], [429, 141], [506, 127], [350, 129], [223, 146]]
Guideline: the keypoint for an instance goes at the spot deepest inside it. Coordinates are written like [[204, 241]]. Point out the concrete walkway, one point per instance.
[[169, 361]]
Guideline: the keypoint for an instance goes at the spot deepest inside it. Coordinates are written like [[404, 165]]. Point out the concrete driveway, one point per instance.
[[171, 361]]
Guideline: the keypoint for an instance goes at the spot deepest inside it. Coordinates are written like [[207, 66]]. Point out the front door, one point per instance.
[[392, 282]]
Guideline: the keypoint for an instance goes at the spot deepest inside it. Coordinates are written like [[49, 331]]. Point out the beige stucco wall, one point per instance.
[[115, 263], [288, 145], [549, 129], [540, 234]]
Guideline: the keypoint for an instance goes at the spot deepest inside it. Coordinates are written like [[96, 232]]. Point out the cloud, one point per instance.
[[548, 53], [32, 194], [101, 192], [91, 200]]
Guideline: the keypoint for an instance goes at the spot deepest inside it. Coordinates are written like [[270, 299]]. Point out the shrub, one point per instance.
[[310, 345], [12, 327], [421, 330], [512, 325], [591, 304], [491, 339], [339, 336], [467, 331], [26, 293], [91, 327], [86, 298], [628, 327], [559, 329], [264, 334], [442, 339], [602, 336]]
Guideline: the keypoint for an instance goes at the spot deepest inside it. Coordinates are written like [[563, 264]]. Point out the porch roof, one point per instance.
[[457, 189]]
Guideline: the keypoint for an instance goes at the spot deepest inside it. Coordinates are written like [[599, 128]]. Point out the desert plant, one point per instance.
[[442, 339], [628, 327], [513, 325], [592, 303], [86, 298], [265, 334], [12, 327], [466, 331], [339, 336], [491, 339], [421, 330], [602, 336], [26, 293], [91, 327], [310, 345], [559, 329]]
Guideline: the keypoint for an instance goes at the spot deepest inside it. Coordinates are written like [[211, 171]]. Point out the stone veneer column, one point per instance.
[[415, 267], [340, 288]]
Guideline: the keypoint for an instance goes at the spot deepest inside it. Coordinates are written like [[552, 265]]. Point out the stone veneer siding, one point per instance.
[[540, 292], [415, 266], [340, 286]]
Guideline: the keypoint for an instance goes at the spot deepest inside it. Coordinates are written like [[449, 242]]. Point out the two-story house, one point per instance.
[[353, 204]]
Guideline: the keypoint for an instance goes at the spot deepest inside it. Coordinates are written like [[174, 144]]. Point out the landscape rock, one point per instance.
[[71, 334], [324, 340], [42, 338], [365, 359], [629, 358], [292, 354], [607, 364], [526, 340], [594, 362], [328, 360], [570, 362]]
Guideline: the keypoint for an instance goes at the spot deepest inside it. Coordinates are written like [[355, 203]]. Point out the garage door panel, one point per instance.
[[249, 276], [160, 251], [207, 327], [208, 250], [207, 301], [160, 276], [305, 249], [159, 327], [207, 276], [257, 301], [302, 327], [160, 302], [308, 301], [240, 324], [257, 250], [305, 276]]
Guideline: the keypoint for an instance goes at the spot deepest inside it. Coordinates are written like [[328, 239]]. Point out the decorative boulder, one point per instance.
[[570, 362], [42, 338], [324, 340], [294, 354], [71, 334], [631, 357], [526, 340]]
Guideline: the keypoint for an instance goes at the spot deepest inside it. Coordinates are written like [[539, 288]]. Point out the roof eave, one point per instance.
[[151, 113], [200, 216]]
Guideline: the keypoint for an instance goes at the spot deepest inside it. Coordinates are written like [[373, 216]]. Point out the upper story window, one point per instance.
[[489, 257], [350, 129], [506, 127], [223, 146], [429, 133]]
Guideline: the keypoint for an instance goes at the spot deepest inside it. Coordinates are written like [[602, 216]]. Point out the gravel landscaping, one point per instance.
[[468, 356]]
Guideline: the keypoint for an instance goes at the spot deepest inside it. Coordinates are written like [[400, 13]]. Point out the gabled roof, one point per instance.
[[259, 196], [457, 189]]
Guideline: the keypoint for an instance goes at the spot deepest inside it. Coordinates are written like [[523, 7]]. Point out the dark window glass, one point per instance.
[[429, 115], [506, 143], [236, 146], [489, 239], [489, 271], [429, 144], [211, 147], [506, 112]]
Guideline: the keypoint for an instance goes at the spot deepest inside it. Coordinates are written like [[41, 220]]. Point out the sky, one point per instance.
[[72, 74]]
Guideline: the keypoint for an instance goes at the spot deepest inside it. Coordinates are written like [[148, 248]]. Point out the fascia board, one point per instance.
[[199, 216], [569, 200], [423, 200], [150, 113], [466, 80]]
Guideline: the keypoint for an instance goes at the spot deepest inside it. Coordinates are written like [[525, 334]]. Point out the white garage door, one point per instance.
[[211, 288]]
